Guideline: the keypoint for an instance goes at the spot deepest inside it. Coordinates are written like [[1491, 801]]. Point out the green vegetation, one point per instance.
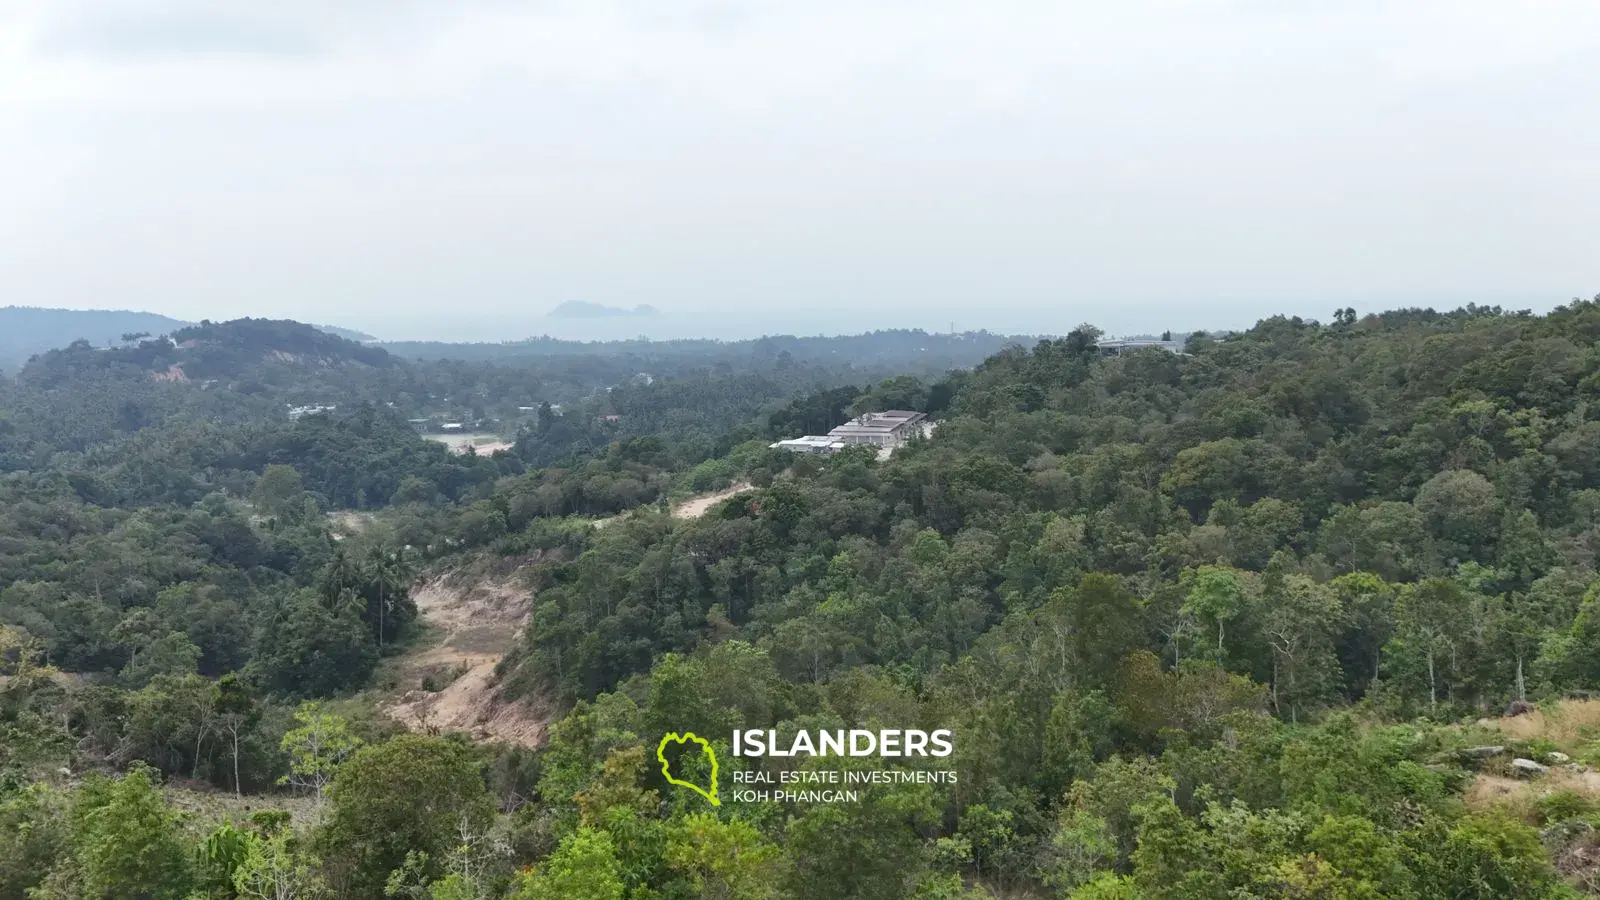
[[1210, 625]]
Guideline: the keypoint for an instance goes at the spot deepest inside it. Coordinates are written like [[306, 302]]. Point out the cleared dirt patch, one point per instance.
[[458, 602], [696, 507], [211, 804], [348, 522], [478, 619], [483, 444], [1494, 790]]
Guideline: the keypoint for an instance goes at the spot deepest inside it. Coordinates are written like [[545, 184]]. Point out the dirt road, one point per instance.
[[695, 507]]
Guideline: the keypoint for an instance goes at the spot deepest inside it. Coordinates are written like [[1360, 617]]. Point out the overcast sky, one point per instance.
[[460, 166]]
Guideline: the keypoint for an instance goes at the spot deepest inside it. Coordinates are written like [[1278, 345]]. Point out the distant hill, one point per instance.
[[349, 334], [896, 351], [27, 330], [258, 351], [578, 309], [229, 348]]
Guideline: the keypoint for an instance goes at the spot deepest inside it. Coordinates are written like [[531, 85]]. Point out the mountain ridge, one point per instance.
[[27, 331]]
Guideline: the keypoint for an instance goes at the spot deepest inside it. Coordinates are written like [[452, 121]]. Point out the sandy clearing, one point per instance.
[[696, 507], [480, 621], [483, 444], [347, 522]]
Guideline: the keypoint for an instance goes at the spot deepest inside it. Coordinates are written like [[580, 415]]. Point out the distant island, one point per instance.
[[579, 309]]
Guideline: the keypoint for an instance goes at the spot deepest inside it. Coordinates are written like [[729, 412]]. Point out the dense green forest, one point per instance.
[[1309, 611]]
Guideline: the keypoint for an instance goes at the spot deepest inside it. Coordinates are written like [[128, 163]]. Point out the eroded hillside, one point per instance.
[[449, 683]]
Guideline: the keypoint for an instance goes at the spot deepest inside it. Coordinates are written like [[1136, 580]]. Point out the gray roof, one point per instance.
[[1137, 343]]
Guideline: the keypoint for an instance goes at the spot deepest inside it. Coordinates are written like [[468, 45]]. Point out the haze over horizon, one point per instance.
[[455, 170]]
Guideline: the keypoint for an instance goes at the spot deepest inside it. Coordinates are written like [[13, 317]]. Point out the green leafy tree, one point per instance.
[[1077, 734], [1217, 596], [584, 867], [1373, 860], [272, 870], [1301, 619], [869, 849], [1175, 856], [1101, 622], [1429, 619], [278, 490], [724, 860], [1484, 857], [137, 631], [314, 650], [1461, 508], [317, 746], [412, 793], [171, 654], [236, 713], [1571, 657], [34, 836], [1108, 887], [220, 855], [126, 840], [1368, 603], [999, 853]]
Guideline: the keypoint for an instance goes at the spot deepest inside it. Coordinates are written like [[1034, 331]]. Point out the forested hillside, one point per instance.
[[554, 398], [899, 348], [1169, 604], [1238, 622], [26, 330]]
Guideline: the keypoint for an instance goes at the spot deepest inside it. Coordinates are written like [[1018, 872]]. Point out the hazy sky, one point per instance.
[[460, 166]]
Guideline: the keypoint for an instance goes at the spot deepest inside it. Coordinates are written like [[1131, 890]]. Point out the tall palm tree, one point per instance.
[[388, 573]]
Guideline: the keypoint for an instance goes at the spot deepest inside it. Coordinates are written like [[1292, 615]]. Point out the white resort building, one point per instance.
[[884, 430]]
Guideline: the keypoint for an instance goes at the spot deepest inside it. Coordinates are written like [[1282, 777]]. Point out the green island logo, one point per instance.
[[661, 754]]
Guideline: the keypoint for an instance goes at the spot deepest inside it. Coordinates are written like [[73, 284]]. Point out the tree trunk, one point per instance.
[[1433, 692], [1522, 686], [237, 792], [1455, 666], [199, 739]]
